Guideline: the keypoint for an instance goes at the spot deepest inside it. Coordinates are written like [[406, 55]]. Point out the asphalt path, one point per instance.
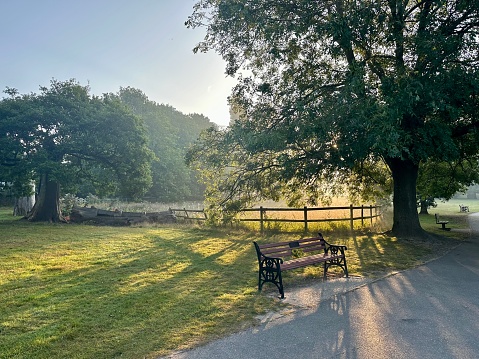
[[431, 311]]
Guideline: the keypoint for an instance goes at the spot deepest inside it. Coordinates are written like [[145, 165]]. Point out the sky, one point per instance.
[[108, 44]]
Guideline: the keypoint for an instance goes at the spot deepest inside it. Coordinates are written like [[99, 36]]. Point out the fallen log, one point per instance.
[[119, 218]]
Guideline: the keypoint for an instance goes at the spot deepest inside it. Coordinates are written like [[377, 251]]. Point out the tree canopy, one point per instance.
[[63, 135], [443, 180], [169, 133], [328, 90]]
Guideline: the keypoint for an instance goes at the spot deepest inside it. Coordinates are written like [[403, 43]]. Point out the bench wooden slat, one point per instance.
[[290, 245], [286, 243], [309, 260], [281, 252]]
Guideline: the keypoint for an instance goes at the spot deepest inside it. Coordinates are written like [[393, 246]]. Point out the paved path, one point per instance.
[[431, 311]]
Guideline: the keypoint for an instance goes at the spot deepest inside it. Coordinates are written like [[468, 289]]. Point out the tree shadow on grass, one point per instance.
[[162, 294]]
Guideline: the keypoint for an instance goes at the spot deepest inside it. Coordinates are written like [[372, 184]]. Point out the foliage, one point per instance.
[[69, 201], [328, 90], [63, 130], [64, 135], [170, 133], [444, 179]]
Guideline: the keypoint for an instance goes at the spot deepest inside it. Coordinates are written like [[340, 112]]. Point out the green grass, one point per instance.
[[452, 206], [449, 211], [78, 291], [71, 291]]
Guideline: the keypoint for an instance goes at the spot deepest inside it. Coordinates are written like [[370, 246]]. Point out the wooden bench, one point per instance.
[[442, 223], [301, 253], [463, 208]]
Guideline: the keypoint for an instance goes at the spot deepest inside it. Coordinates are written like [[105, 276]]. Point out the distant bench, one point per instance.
[[300, 253], [442, 223], [463, 208]]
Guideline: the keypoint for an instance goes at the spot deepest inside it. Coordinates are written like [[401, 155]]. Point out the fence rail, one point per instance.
[[190, 214], [353, 213]]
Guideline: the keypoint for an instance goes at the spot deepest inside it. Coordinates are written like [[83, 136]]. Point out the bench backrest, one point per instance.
[[286, 249]]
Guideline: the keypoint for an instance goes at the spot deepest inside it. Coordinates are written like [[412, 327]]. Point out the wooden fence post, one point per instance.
[[261, 217], [371, 213], [305, 219], [351, 216], [362, 215]]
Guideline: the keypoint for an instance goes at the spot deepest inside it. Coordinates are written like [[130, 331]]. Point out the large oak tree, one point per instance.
[[62, 136], [328, 88]]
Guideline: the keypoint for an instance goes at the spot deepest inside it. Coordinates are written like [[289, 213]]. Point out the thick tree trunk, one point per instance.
[[406, 219], [424, 206], [47, 206]]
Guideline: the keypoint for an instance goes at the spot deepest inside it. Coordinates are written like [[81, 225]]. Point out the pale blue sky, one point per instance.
[[113, 43]]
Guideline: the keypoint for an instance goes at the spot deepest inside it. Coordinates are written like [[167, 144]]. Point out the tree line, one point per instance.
[[66, 140], [376, 98]]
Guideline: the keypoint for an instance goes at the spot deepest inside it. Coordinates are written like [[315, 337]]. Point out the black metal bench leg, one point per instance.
[[275, 277], [281, 288], [278, 282]]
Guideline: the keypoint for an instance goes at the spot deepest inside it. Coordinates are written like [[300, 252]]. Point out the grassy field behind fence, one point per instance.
[[78, 291]]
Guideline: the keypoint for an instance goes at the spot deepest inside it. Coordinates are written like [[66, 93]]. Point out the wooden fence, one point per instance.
[[190, 214], [350, 213]]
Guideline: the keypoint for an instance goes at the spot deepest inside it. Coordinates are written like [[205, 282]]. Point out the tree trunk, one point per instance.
[[424, 206], [47, 206], [406, 219], [24, 205]]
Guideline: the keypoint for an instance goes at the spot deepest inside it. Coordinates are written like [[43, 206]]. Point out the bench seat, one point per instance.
[[274, 258], [442, 223]]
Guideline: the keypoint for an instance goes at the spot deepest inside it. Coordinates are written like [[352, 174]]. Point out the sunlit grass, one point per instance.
[[79, 291], [71, 291]]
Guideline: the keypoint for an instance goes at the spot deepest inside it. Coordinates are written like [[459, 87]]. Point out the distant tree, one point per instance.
[[169, 133], [472, 192], [63, 135], [443, 180], [334, 84]]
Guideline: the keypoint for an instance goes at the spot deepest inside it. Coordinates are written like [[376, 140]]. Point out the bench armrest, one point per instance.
[[270, 264], [334, 249], [265, 261], [271, 259]]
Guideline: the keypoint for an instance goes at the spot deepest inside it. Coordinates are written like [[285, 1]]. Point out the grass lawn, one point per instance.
[[78, 291]]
